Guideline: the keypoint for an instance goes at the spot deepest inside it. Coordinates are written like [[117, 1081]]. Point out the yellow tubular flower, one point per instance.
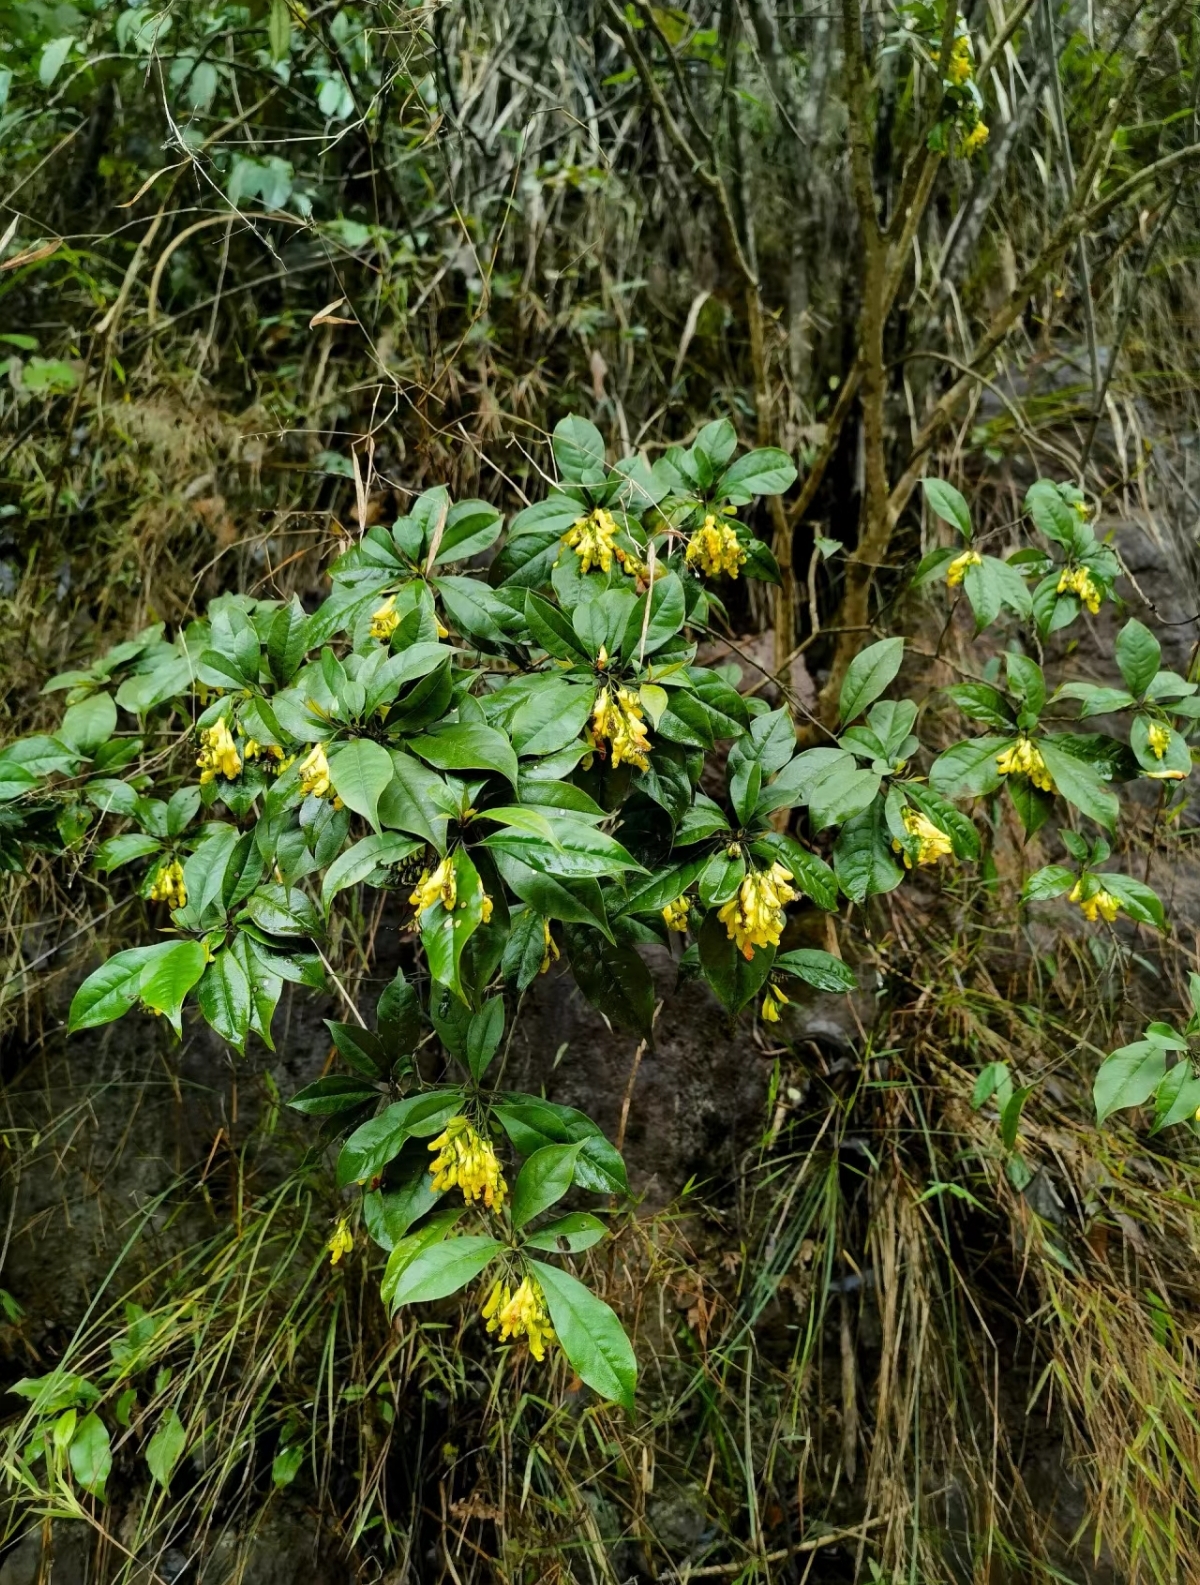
[[1024, 758], [485, 910], [466, 1160], [218, 755], [974, 140], [957, 570], [1101, 903], [314, 773], [676, 915], [772, 1002], [341, 1243], [715, 549], [168, 886], [519, 1314], [385, 620], [617, 721], [754, 916], [436, 886], [932, 843], [549, 948], [592, 539], [1158, 739], [1078, 580]]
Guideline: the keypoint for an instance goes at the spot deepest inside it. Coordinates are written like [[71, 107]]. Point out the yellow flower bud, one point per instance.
[[468, 1161]]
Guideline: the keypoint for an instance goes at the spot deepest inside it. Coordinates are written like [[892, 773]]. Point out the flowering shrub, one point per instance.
[[515, 751]]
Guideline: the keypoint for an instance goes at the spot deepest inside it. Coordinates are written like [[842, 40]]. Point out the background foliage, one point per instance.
[[269, 273]]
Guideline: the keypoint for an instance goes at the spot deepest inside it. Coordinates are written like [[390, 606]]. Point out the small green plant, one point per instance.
[[515, 752]]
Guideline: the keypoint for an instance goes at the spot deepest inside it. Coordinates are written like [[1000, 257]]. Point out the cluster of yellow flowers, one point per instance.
[[960, 68], [1024, 758], [440, 885], [314, 773], [436, 886], [385, 620], [715, 549], [754, 916], [676, 915], [1158, 738], [1101, 904], [593, 539], [772, 1002], [468, 1161], [957, 570], [168, 886], [973, 140], [520, 1314], [1078, 580], [932, 844], [341, 1243], [218, 754], [617, 720]]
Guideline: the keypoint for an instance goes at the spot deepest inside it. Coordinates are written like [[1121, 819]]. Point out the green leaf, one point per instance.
[[554, 714], [570, 1235], [358, 862], [1128, 1077], [1177, 1098], [578, 450], [863, 860], [766, 471], [949, 504], [87, 725], [369, 1149], [613, 978], [287, 641], [111, 855], [590, 1335], [1080, 785], [543, 1180], [445, 932], [1051, 514], [91, 1453], [165, 1448], [1052, 881], [1095, 700], [969, 769], [667, 612], [113, 988], [444, 1268], [168, 980], [819, 969], [870, 672], [551, 630], [574, 902], [734, 979], [841, 792], [810, 874], [579, 850], [332, 1095], [405, 1249], [484, 1034], [283, 911], [389, 1213], [360, 772], [467, 746], [224, 998], [1138, 900]]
